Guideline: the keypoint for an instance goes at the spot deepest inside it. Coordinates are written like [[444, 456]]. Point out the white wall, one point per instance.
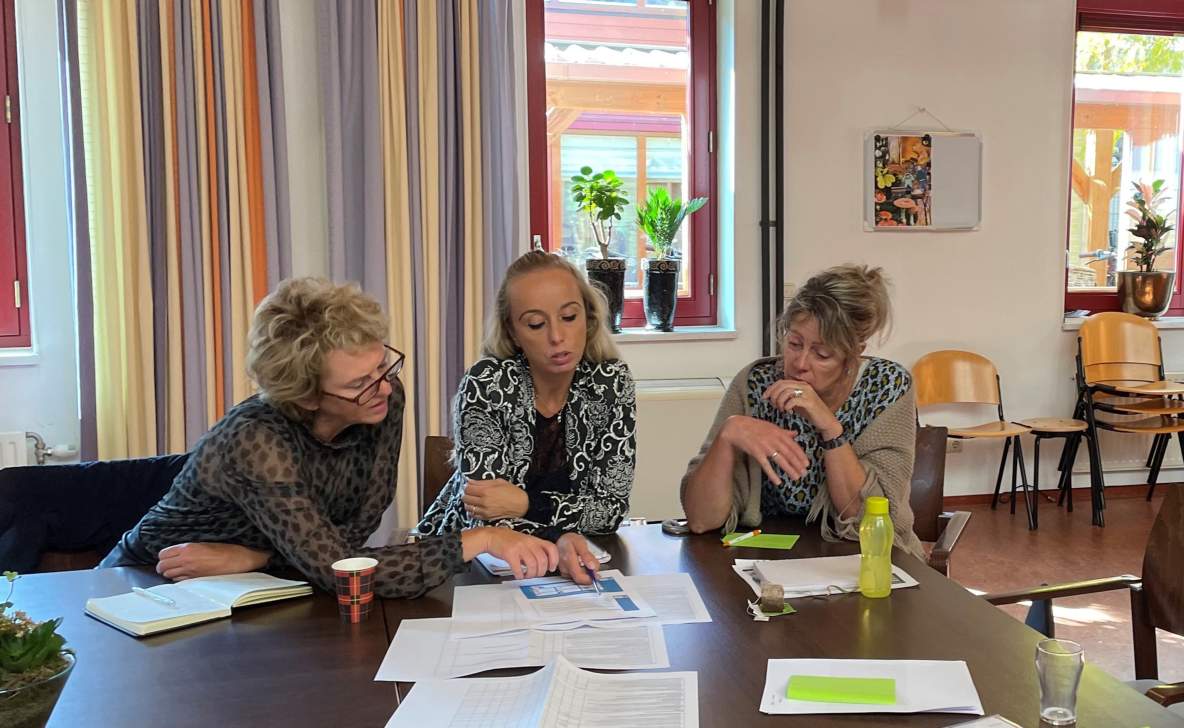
[[41, 394], [1002, 69]]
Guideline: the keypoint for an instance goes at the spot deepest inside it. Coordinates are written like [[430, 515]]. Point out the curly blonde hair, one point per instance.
[[598, 346], [850, 302], [294, 329]]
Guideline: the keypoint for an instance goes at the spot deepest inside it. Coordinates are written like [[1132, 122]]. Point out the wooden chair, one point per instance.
[[931, 522], [963, 377], [1157, 598], [1119, 357], [437, 469], [1071, 431]]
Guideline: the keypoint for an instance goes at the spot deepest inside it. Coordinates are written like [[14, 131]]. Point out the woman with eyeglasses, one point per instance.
[[300, 474], [544, 423], [817, 430]]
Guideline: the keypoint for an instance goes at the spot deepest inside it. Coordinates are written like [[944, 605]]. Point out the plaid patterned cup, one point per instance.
[[355, 587]]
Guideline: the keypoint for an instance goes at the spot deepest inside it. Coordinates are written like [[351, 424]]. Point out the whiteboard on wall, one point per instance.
[[948, 195]]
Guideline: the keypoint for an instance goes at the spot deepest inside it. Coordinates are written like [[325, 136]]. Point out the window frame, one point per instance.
[[700, 308], [1146, 17]]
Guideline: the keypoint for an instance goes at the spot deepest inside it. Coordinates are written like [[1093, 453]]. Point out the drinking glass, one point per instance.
[[1058, 665]]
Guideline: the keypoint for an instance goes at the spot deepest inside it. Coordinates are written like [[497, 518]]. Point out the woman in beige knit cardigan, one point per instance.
[[818, 429]]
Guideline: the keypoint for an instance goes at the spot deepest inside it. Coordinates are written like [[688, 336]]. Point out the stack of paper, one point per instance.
[[811, 577], [558, 695], [499, 626], [796, 687]]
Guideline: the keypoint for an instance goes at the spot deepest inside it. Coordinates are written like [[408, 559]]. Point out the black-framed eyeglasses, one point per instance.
[[367, 395]]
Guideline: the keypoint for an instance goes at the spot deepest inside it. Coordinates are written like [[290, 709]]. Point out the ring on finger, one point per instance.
[[773, 455], [797, 392]]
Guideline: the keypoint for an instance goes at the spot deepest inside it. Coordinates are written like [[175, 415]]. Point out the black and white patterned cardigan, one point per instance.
[[493, 419]]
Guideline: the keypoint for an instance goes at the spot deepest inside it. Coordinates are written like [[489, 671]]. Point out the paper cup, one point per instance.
[[354, 579]]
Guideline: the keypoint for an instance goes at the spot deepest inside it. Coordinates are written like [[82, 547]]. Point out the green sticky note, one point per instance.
[[860, 690], [763, 540], [784, 610]]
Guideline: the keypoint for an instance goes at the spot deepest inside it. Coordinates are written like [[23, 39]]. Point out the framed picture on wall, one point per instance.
[[922, 181]]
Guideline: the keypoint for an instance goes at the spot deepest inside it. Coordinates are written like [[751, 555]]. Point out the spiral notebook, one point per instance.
[[170, 606]]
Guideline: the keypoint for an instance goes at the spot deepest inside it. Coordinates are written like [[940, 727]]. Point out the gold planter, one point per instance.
[[1146, 294]]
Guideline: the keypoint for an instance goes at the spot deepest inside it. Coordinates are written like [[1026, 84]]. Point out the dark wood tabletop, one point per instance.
[[291, 663], [939, 620]]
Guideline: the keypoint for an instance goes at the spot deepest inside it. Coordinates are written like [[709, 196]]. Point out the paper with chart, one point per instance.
[[811, 577], [548, 603], [557, 696], [673, 597], [922, 686], [424, 648]]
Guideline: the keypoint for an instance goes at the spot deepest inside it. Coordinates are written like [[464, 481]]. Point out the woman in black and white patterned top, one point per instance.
[[300, 474], [544, 424]]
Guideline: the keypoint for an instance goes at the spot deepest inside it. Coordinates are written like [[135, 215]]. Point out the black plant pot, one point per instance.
[[609, 275], [661, 292]]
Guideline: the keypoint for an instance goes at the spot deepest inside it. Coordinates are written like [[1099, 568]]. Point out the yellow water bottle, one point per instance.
[[875, 549]]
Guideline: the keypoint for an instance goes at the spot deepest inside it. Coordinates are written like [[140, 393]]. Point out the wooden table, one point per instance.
[[938, 620], [290, 663]]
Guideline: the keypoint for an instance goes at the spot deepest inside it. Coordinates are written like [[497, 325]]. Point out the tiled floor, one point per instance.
[[997, 552]]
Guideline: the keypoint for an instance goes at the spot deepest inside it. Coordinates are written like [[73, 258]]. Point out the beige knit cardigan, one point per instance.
[[884, 448]]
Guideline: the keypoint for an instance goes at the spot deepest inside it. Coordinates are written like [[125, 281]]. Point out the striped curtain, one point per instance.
[[185, 192]]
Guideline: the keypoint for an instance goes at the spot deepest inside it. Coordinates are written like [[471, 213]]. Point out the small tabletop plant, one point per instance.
[[1150, 226], [31, 653], [601, 195], [661, 216]]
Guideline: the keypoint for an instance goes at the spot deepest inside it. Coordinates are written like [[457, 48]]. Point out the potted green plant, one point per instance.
[[34, 665], [1146, 291], [660, 218], [602, 197]]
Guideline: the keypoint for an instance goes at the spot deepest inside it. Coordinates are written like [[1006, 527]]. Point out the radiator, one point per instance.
[[14, 449], [673, 416]]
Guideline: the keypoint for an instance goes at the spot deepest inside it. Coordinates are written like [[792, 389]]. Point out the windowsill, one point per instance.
[[19, 358], [680, 333], [1163, 322]]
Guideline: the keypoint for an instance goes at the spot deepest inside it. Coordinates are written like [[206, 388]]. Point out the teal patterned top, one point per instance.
[[880, 384]]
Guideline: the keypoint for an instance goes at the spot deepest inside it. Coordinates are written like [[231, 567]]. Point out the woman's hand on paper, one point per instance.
[[191, 560], [768, 445], [575, 558], [489, 500], [527, 556]]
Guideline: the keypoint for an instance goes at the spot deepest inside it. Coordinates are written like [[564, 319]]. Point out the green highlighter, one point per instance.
[[858, 690]]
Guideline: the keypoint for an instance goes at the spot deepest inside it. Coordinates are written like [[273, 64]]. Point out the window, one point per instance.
[[1127, 93], [630, 86], [14, 294]]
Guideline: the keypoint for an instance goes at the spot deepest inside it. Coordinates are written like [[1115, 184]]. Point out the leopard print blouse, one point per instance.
[[262, 480], [494, 431], [880, 384]]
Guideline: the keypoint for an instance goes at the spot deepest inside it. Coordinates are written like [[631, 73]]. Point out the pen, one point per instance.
[[155, 597], [742, 537], [595, 581]]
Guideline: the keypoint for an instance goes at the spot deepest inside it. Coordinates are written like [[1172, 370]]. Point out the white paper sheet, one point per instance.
[[486, 609], [922, 686], [423, 649], [991, 721], [818, 576], [560, 602], [673, 597], [558, 696]]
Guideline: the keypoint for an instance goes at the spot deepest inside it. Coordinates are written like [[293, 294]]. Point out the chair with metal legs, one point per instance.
[[963, 377], [1120, 372]]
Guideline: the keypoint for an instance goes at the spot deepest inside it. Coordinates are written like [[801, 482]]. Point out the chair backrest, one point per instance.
[[1119, 347], [437, 468], [1163, 579], [955, 377], [928, 485]]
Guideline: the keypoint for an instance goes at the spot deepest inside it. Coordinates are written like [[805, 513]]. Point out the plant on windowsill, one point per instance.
[[1146, 291], [659, 218], [602, 197], [34, 665]]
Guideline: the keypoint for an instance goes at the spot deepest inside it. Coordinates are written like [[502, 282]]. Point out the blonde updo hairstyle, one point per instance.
[[499, 342], [850, 303], [294, 329]]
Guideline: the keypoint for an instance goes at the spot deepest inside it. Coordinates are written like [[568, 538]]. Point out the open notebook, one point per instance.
[[499, 567], [169, 606]]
